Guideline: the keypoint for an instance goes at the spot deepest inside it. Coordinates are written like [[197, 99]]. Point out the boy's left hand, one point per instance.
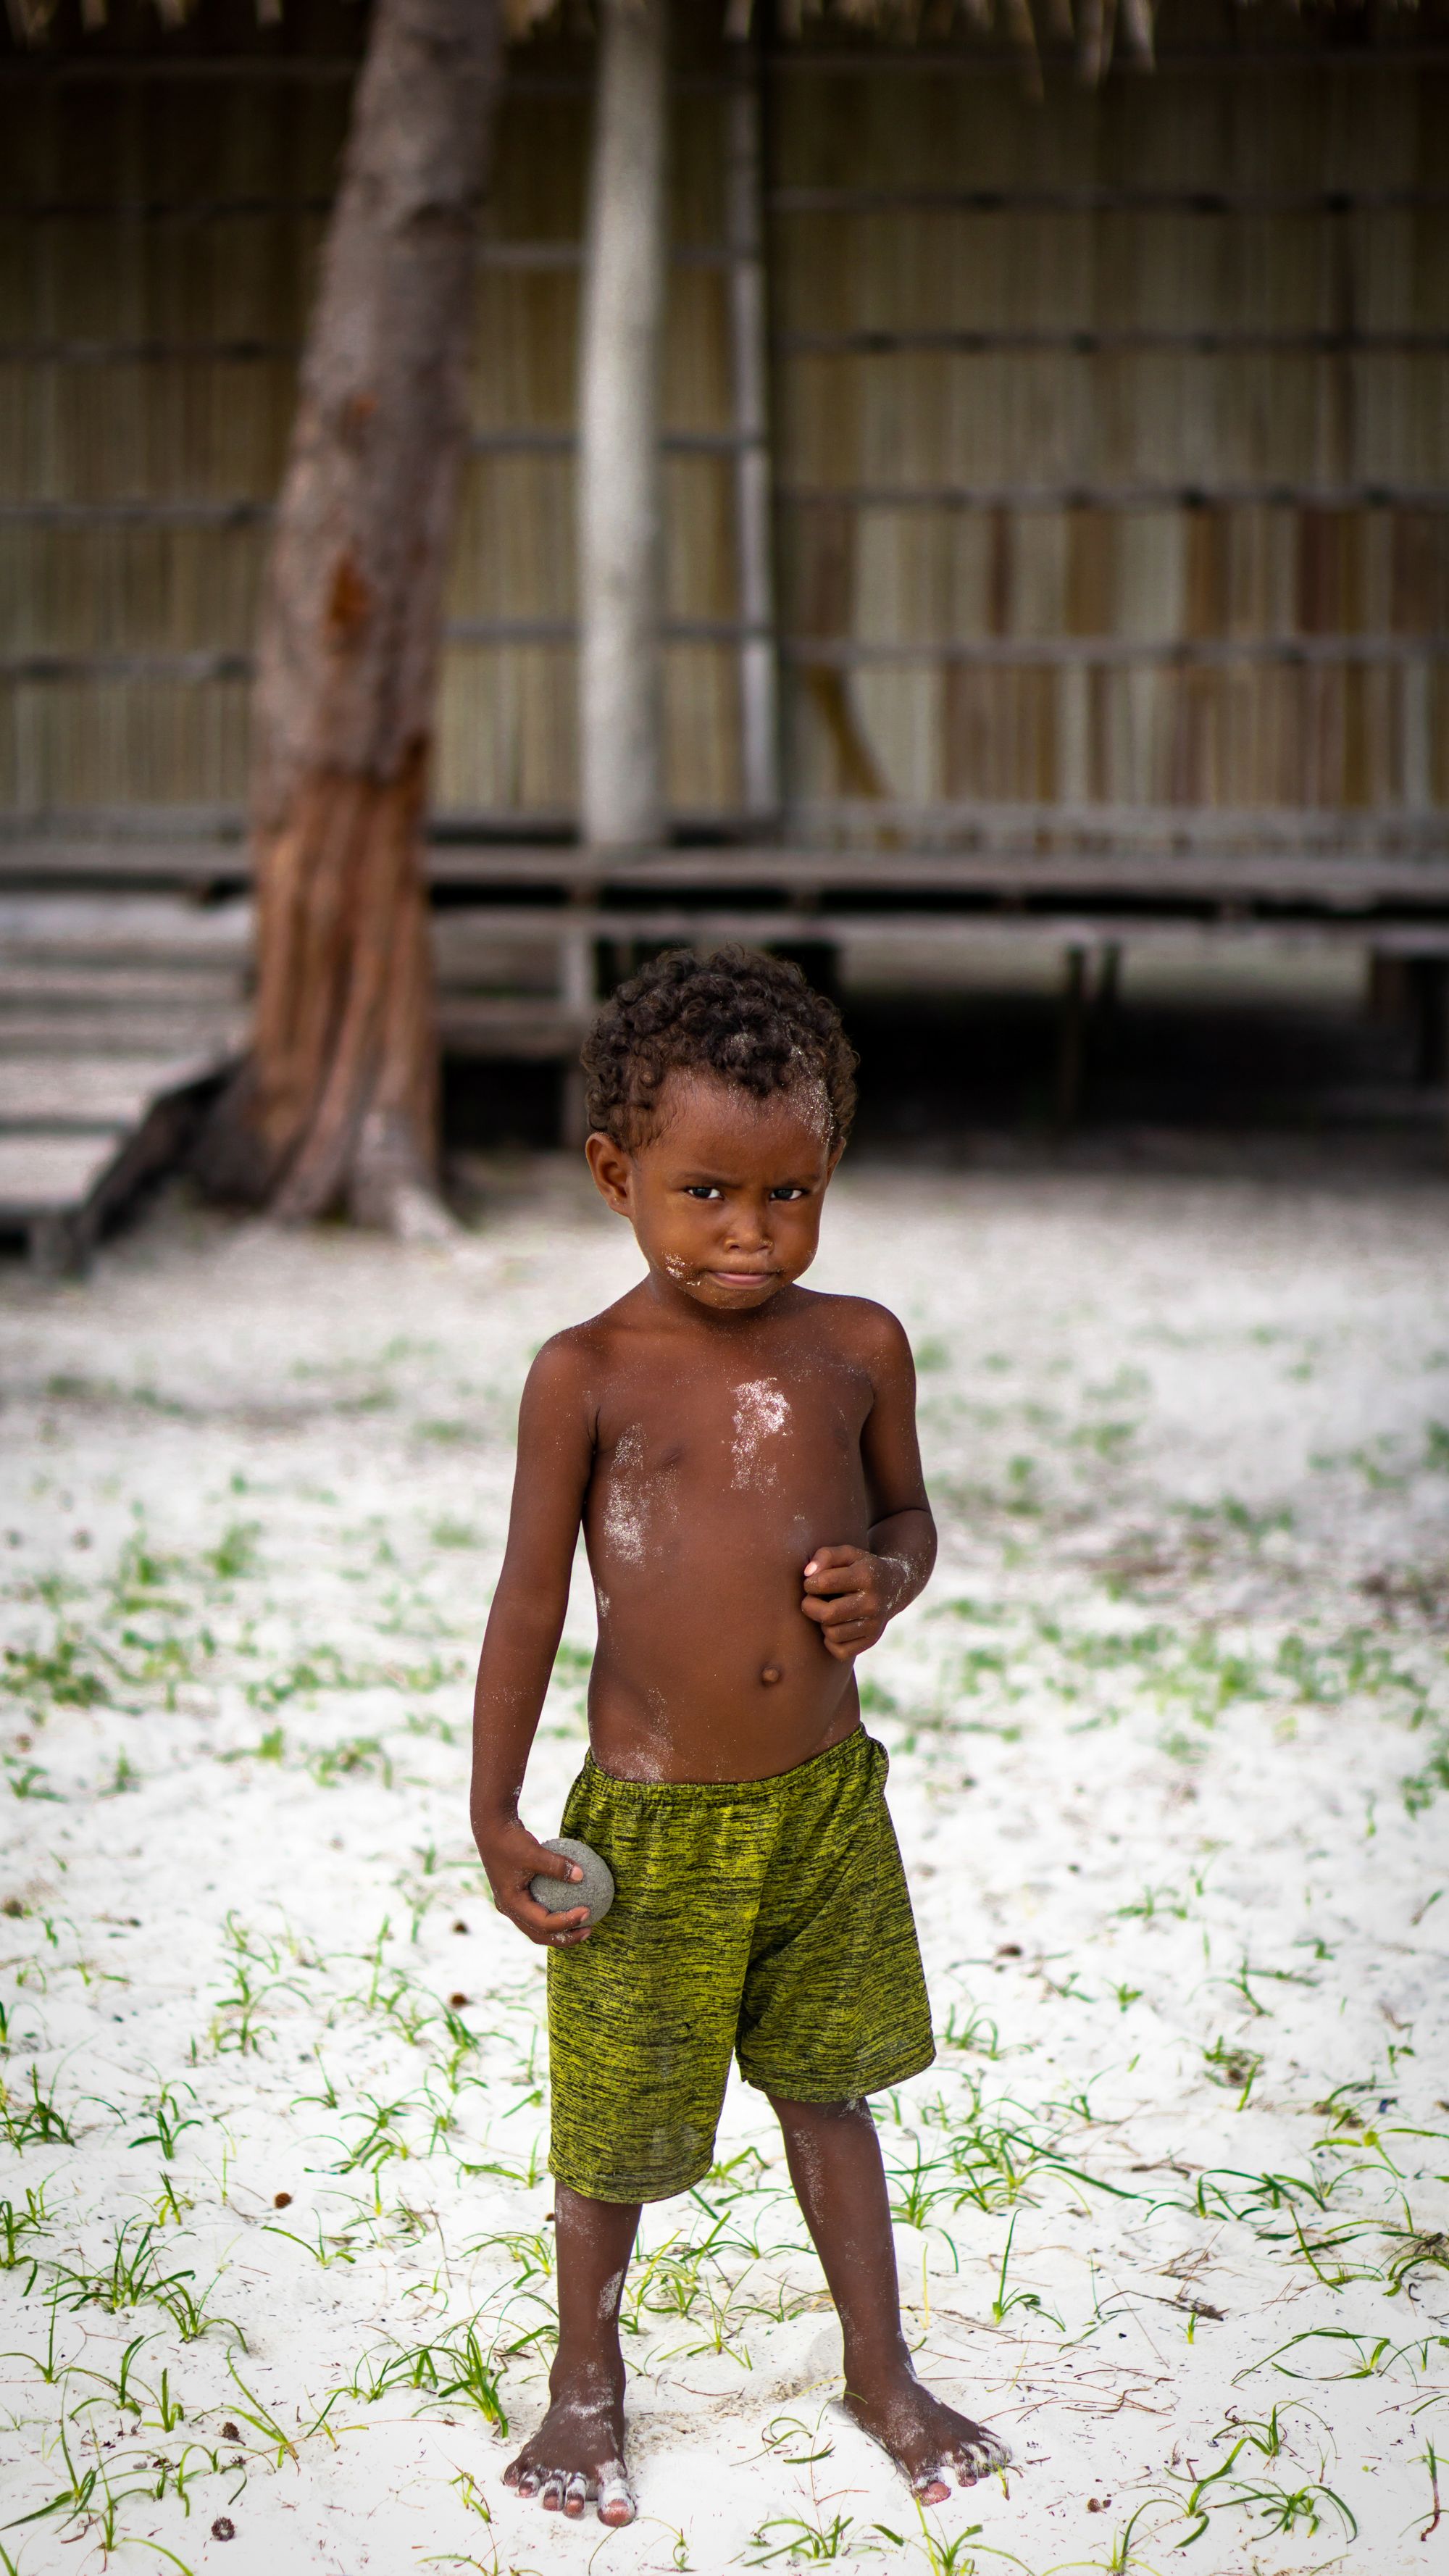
[[850, 1595]]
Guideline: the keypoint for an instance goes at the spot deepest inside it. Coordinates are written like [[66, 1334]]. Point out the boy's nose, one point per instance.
[[748, 1231]]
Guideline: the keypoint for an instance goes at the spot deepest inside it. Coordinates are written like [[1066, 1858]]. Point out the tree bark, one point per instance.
[[621, 496], [338, 1102]]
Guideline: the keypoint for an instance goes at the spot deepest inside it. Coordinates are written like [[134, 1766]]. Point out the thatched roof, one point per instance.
[[1086, 35]]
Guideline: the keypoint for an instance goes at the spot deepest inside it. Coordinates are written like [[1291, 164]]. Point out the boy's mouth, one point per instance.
[[741, 1278]]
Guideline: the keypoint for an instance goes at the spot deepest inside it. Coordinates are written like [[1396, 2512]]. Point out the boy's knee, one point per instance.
[[803, 2117]]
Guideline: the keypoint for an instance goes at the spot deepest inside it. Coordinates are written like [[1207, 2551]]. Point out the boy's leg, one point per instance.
[[835, 2166], [578, 2450]]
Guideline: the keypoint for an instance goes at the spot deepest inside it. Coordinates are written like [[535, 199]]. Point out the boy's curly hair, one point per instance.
[[739, 1015]]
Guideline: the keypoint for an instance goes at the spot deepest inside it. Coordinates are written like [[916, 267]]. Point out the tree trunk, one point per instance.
[[338, 1103], [621, 497]]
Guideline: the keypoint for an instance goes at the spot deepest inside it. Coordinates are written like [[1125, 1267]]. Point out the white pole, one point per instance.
[[759, 715], [621, 492]]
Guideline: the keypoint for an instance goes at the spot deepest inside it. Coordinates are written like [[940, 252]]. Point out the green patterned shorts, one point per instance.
[[766, 1917]]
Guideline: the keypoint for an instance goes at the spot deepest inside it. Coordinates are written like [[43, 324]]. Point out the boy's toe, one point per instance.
[[526, 2479], [931, 2486], [576, 2495], [981, 2457], [551, 2495], [616, 2504]]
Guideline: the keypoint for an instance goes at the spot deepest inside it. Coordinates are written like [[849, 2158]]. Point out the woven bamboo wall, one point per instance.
[[1135, 496], [159, 222], [1069, 560]]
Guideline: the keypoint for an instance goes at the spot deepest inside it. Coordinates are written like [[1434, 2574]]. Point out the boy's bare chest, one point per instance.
[[752, 1431]]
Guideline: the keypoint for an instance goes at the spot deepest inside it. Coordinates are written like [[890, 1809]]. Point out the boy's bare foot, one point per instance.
[[930, 2443], [577, 2455]]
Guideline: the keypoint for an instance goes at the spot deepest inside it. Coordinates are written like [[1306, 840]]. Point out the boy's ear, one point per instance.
[[612, 1171]]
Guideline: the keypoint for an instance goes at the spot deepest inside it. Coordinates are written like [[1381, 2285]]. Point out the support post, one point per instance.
[[1430, 988], [1071, 1042], [578, 991], [744, 227], [621, 491]]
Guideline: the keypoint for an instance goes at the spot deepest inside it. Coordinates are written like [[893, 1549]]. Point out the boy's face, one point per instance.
[[725, 1199]]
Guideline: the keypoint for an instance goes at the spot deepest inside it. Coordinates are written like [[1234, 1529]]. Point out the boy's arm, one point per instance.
[[851, 1592], [555, 1456]]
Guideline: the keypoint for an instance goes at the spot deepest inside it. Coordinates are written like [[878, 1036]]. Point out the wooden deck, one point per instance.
[[78, 1135], [115, 1013], [1118, 861]]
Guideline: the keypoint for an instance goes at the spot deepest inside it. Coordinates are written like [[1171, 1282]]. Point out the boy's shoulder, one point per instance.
[[580, 1347], [857, 1327]]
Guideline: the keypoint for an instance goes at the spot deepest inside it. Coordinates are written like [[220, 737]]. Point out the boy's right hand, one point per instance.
[[512, 1857]]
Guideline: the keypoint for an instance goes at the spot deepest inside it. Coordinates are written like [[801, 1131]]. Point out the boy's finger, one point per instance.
[[533, 1917], [839, 1605], [826, 1557], [551, 1864], [833, 1578]]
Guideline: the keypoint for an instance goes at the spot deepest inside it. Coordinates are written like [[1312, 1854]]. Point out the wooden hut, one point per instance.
[[1057, 476]]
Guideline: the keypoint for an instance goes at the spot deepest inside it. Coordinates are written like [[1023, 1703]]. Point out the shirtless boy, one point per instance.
[[742, 1454]]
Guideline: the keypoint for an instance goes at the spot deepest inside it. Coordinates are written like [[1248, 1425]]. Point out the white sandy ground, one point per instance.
[[1174, 2202]]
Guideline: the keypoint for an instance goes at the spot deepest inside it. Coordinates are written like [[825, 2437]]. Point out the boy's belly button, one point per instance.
[[771, 1673]]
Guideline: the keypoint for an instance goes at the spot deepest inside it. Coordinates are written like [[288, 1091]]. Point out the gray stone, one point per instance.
[[595, 1890]]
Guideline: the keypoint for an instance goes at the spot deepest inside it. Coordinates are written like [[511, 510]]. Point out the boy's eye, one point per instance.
[[701, 1190], [792, 1190]]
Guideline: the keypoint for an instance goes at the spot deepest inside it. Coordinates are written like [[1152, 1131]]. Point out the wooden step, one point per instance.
[[60, 1181], [123, 929], [82, 987], [173, 1031], [56, 1094], [44, 1176]]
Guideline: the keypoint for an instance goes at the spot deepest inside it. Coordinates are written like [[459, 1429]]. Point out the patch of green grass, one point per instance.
[[33, 2122], [272, 1748], [804, 2544], [1234, 2066], [975, 2032], [1422, 1787], [168, 2120], [1183, 1748], [1152, 1902], [235, 1552], [66, 1674], [432, 1726], [142, 1572], [448, 1532], [16, 2224], [358, 1756], [29, 1780], [1106, 1439], [451, 2366], [322, 1668], [132, 2274]]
